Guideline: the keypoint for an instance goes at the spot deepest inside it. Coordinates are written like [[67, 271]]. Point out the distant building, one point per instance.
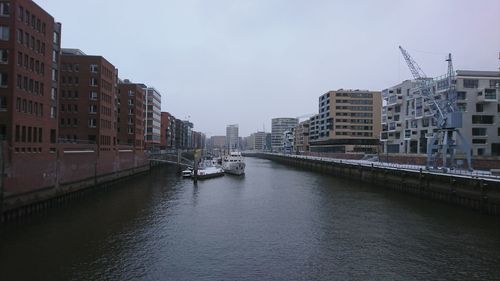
[[167, 136], [257, 141], [217, 142], [152, 118], [30, 43], [232, 137], [278, 128], [87, 103], [130, 121], [347, 121], [301, 136]]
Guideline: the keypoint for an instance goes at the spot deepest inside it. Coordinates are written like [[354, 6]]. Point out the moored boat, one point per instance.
[[209, 172], [233, 163], [187, 173]]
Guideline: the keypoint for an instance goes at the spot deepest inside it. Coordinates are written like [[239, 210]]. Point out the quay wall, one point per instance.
[[472, 192], [32, 182]]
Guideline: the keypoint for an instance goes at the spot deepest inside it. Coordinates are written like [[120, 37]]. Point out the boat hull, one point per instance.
[[234, 168]]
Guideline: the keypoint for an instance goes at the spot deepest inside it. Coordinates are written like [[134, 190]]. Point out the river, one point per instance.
[[275, 223]]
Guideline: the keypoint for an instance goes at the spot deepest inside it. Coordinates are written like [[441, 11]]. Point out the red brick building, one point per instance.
[[167, 134], [87, 101], [130, 120], [29, 63]]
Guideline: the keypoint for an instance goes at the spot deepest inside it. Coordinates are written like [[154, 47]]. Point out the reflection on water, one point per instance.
[[275, 223]]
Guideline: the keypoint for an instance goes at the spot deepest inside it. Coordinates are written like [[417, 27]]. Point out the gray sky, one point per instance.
[[245, 62]]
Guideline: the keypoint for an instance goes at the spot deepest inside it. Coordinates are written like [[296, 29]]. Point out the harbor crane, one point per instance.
[[441, 103]]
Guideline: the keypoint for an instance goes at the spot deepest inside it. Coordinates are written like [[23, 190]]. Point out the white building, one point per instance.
[[232, 137], [406, 121], [278, 128]]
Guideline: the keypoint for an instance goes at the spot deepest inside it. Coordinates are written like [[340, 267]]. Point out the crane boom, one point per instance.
[[415, 69]]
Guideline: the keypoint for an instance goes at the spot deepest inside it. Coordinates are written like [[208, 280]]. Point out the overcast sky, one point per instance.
[[245, 62]]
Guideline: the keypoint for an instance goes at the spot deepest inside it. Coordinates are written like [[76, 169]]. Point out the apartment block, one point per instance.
[[167, 139], [301, 136], [407, 122], [217, 142], [347, 121], [279, 126], [152, 118], [29, 74], [130, 121], [232, 136], [87, 102]]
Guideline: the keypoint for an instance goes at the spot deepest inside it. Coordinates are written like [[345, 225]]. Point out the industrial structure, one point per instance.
[[438, 96]]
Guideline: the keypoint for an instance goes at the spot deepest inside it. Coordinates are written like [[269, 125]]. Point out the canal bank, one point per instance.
[[473, 192], [20, 205]]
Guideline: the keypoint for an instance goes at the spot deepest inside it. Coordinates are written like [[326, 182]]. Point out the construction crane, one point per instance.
[[442, 106]]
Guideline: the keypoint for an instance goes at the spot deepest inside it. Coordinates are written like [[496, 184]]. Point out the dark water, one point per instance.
[[276, 223]]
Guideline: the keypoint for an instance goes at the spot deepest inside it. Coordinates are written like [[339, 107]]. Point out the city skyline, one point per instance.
[[259, 60]]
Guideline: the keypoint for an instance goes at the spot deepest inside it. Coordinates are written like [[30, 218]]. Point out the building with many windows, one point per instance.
[[278, 128], [130, 121], [347, 121], [152, 118], [301, 136], [87, 101], [407, 122], [167, 140], [29, 75], [232, 137]]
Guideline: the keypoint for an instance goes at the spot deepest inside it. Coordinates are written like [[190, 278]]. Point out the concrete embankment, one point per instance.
[[472, 192]]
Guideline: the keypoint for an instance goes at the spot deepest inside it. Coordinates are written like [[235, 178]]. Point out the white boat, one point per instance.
[[187, 173], [234, 163], [210, 172]]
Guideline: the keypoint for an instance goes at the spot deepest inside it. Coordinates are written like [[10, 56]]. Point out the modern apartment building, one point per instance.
[[301, 136], [278, 128], [87, 102], [167, 140], [232, 137], [407, 122], [348, 121], [130, 121], [152, 118], [29, 76]]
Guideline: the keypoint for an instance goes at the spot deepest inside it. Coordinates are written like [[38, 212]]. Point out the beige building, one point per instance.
[[301, 137], [348, 121]]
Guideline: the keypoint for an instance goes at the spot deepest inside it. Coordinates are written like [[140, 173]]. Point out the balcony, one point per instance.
[[487, 95]]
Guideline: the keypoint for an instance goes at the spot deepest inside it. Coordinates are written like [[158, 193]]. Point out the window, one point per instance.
[[3, 79], [479, 132], [92, 122], [479, 107], [93, 81], [462, 107], [54, 75], [494, 83], [93, 95], [479, 141], [482, 119], [490, 94], [4, 33], [4, 56], [93, 108], [471, 83], [461, 95], [94, 68], [3, 103]]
